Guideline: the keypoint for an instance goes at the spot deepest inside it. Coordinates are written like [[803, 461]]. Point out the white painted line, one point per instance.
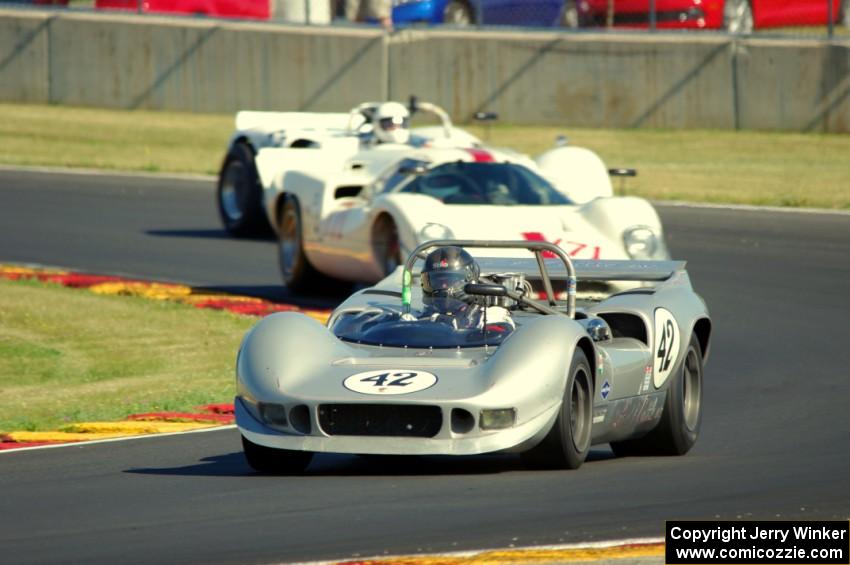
[[116, 439], [748, 208], [106, 173], [472, 553]]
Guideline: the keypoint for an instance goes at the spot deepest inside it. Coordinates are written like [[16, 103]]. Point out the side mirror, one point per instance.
[[485, 289], [413, 171]]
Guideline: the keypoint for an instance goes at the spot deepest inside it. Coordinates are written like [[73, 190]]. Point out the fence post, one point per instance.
[[652, 16], [830, 26]]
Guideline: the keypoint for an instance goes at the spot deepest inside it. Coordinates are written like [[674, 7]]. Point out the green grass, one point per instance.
[[69, 356], [762, 168]]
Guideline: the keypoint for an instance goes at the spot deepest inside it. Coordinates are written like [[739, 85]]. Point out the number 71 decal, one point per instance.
[[666, 345], [392, 381]]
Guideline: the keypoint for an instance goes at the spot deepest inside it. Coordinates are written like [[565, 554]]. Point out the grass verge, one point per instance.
[[70, 356], [761, 168]]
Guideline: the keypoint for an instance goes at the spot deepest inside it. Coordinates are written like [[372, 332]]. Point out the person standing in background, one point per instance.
[[380, 11]]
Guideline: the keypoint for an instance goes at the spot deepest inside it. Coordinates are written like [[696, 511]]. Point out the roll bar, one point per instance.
[[536, 247], [366, 109]]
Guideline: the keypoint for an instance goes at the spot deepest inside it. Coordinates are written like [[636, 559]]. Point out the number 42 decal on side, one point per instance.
[[666, 345], [393, 381]]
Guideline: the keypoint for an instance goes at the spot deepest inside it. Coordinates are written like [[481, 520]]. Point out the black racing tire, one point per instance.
[[271, 461], [568, 442], [239, 195], [678, 430], [386, 244], [738, 17], [295, 269], [459, 13]]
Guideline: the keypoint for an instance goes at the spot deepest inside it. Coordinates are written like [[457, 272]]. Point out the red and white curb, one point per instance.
[[593, 551], [208, 416]]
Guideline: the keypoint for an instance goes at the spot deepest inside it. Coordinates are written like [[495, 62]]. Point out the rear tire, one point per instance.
[[568, 442], [270, 461], [386, 244], [678, 429], [239, 194], [295, 269]]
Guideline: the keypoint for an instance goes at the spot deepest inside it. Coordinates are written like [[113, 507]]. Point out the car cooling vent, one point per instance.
[[380, 420]]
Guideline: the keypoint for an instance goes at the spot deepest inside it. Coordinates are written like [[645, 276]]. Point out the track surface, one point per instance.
[[774, 441]]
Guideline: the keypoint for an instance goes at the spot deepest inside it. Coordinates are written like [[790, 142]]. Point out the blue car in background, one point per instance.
[[541, 13]]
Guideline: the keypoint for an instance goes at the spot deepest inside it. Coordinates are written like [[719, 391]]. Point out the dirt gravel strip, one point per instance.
[[645, 551], [149, 423]]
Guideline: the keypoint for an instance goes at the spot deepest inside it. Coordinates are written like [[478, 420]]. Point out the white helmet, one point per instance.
[[391, 123]]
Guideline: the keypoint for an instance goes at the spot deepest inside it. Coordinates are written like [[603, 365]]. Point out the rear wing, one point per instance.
[[586, 270], [276, 121], [561, 268]]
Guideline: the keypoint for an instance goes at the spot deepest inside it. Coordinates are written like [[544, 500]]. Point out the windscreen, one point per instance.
[[500, 184]]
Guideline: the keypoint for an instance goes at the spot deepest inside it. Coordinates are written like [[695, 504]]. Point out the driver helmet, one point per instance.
[[391, 123], [444, 275]]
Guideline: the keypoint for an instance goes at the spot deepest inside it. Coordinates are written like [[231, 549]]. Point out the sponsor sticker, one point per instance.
[[666, 345], [390, 382], [605, 390]]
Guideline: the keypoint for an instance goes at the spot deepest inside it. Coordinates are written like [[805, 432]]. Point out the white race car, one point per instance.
[[346, 206]]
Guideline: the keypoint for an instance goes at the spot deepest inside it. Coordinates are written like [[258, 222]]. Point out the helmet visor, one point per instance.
[[443, 283], [394, 122]]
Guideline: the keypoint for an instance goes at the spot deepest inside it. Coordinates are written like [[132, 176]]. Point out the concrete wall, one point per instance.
[[693, 81]]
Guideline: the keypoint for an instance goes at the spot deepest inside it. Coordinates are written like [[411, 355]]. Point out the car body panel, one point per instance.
[[337, 174], [289, 359]]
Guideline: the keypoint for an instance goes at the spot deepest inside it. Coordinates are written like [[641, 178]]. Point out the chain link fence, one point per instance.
[[813, 18]]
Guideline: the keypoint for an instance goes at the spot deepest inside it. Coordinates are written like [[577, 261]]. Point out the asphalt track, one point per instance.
[[774, 443]]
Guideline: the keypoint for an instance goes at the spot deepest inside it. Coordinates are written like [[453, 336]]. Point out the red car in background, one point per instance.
[[737, 16], [253, 9]]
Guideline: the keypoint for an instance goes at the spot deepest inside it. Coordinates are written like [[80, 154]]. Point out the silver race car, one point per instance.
[[460, 359]]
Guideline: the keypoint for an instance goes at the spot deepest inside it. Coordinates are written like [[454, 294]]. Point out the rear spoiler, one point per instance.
[[586, 270], [275, 121]]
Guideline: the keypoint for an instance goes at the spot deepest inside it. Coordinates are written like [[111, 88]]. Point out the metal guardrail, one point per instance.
[[811, 18]]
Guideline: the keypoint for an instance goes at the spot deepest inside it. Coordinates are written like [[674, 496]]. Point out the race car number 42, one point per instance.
[[666, 345], [390, 382]]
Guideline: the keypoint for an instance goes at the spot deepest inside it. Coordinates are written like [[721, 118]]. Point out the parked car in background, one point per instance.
[[737, 16], [255, 9], [296, 11]]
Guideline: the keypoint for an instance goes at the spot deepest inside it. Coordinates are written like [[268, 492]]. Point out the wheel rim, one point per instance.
[[231, 191], [580, 411], [692, 390], [457, 14], [289, 241], [737, 16]]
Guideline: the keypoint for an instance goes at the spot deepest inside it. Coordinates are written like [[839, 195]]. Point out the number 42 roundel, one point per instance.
[[666, 345], [390, 382]]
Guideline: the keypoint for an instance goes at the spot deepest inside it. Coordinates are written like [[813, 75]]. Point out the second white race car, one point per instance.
[[346, 206]]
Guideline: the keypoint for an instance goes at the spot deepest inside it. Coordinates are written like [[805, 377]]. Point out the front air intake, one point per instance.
[[389, 420]]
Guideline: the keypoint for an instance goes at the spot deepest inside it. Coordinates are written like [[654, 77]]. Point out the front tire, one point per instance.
[[270, 461], [738, 17], [295, 269], [239, 194], [568, 442], [679, 427]]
